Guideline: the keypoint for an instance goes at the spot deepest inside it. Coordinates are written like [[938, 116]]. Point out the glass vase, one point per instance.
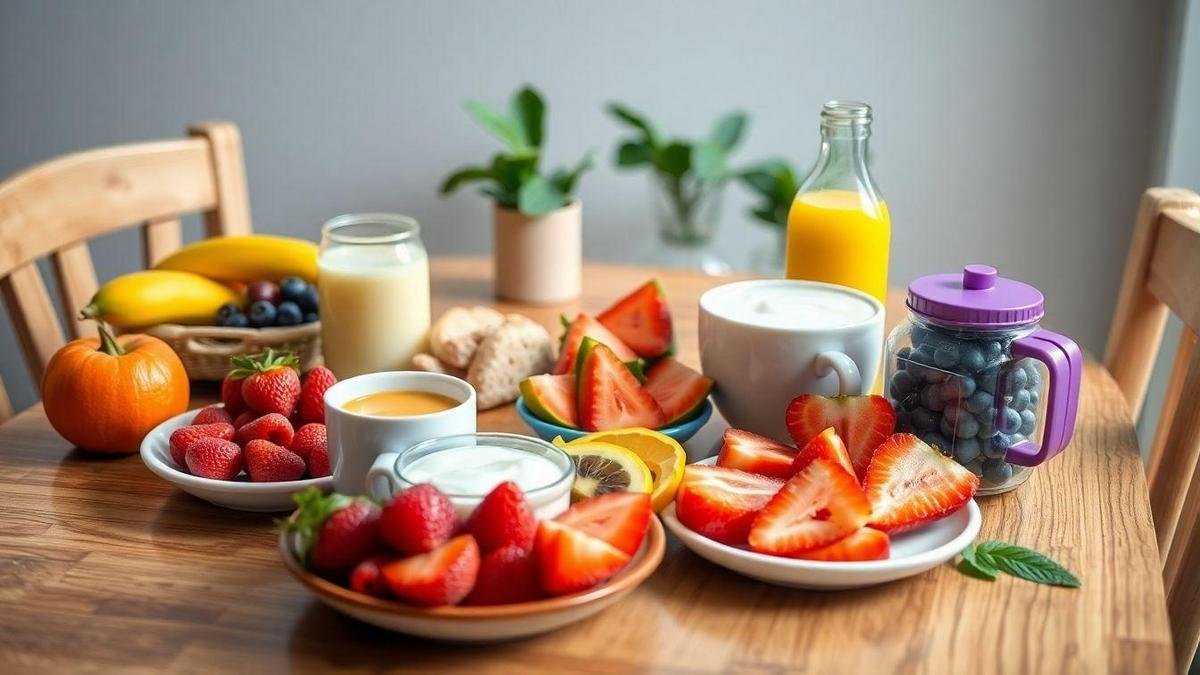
[[769, 257], [687, 213]]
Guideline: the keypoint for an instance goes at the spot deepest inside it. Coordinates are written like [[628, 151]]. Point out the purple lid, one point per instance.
[[977, 298]]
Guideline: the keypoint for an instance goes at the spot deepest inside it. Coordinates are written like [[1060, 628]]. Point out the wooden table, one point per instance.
[[104, 566]]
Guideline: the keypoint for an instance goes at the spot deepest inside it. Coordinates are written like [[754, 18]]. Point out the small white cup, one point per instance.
[[355, 440], [547, 497], [760, 365]]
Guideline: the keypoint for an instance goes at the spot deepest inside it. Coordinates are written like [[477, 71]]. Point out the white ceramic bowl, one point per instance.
[[241, 494], [912, 552], [481, 624]]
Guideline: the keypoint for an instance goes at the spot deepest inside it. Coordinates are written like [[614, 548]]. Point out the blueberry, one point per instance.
[[227, 310], [946, 355], [1018, 378], [952, 412], [261, 313], [919, 361], [979, 402], [997, 471], [902, 357], [903, 420], [936, 440], [967, 427], [958, 388], [986, 380], [987, 428], [924, 419], [997, 447], [1008, 421], [238, 320], [902, 383], [947, 427], [919, 335], [311, 317], [975, 466], [288, 314], [1028, 422], [970, 358], [1019, 400], [931, 397], [292, 288], [966, 449], [1034, 397], [308, 299], [992, 350]]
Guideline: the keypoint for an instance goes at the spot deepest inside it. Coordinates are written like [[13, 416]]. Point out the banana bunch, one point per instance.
[[152, 297], [246, 258]]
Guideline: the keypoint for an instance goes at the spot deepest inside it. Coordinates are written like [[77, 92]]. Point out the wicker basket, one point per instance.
[[205, 350]]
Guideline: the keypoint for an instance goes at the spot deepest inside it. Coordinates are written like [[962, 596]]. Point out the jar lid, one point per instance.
[[978, 298]]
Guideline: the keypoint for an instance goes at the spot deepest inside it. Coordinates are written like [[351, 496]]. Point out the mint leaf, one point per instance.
[[983, 568], [1024, 564], [968, 568]]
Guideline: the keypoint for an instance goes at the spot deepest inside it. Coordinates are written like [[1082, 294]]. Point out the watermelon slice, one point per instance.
[[585, 326], [679, 390], [642, 320], [609, 396], [551, 398]]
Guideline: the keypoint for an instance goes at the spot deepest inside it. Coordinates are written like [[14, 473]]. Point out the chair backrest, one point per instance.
[[1162, 276], [53, 208]]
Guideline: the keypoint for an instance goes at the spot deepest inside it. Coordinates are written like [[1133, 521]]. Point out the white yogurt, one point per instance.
[[468, 473], [789, 306]]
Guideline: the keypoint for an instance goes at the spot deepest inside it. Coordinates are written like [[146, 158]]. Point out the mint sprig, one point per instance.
[[987, 559]]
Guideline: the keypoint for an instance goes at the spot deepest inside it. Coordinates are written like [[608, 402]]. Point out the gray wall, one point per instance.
[[1016, 133]]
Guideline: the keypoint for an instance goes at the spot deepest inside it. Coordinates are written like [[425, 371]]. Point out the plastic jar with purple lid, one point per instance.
[[972, 373]]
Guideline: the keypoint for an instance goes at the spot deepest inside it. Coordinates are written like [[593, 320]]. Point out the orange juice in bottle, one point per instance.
[[839, 230]]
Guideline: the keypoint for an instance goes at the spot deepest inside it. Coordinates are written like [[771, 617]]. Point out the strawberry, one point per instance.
[[270, 427], [826, 445], [641, 320], [211, 415], [750, 452], [418, 520], [183, 437], [244, 418], [569, 560], [617, 518], [610, 397], [909, 483], [862, 422], [215, 458], [818, 506], [863, 544], [318, 460], [582, 327], [231, 395], [310, 439], [312, 394], [721, 503], [336, 532], [367, 575], [443, 576], [269, 463], [502, 519], [506, 575], [270, 381]]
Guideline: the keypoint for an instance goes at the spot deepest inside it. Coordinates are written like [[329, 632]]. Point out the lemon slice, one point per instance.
[[601, 468], [662, 454]]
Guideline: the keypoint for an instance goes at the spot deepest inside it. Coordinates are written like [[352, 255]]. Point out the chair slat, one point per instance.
[[33, 317], [1177, 466], [1170, 405], [6, 409], [76, 284], [231, 214], [1181, 573], [160, 238]]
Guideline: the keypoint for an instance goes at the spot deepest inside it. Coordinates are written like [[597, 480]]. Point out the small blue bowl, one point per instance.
[[547, 431]]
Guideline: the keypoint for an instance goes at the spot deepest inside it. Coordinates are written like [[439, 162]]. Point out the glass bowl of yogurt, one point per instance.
[[467, 467]]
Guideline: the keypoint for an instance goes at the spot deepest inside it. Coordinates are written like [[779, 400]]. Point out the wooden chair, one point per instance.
[[1162, 275], [53, 208]]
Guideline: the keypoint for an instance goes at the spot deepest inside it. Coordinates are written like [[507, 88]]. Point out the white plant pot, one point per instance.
[[538, 260]]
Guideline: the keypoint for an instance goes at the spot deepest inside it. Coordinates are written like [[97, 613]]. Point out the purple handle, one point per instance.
[[1064, 361]]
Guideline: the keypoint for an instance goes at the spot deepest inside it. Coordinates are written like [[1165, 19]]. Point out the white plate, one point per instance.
[[912, 552], [238, 494]]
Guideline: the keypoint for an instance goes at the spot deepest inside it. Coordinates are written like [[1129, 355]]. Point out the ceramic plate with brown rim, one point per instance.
[[481, 624]]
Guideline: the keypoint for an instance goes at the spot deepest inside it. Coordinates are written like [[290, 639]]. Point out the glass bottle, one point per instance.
[[839, 229]]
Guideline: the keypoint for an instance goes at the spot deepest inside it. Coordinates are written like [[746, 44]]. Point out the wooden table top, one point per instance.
[[105, 566]]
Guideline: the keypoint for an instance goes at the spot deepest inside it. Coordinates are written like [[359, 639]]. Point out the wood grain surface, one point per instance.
[[103, 566]]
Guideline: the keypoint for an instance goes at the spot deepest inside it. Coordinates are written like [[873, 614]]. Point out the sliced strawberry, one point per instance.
[[610, 397], [865, 543], [443, 576], [570, 561], [506, 575], [909, 483], [679, 390], [585, 326], [618, 518], [551, 398], [642, 320], [863, 422], [818, 506], [721, 503], [747, 451], [826, 445], [367, 575], [502, 519]]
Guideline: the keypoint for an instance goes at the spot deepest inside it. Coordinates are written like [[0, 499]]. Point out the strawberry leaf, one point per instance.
[[1024, 563], [313, 509]]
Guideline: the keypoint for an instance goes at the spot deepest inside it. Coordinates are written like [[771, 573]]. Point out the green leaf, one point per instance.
[[465, 175], [538, 196], [969, 555], [1024, 564], [674, 159], [512, 171], [565, 179], [728, 130], [635, 120], [498, 125], [765, 215], [529, 110], [634, 153], [760, 181], [708, 159], [502, 197], [968, 568]]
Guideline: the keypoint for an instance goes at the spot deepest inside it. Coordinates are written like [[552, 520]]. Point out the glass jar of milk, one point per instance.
[[373, 280]]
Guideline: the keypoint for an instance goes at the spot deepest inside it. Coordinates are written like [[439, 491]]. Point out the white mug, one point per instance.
[[355, 439], [766, 341]]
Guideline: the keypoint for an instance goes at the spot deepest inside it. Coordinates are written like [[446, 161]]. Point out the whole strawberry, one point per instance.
[[270, 427], [231, 395], [214, 458], [310, 439], [418, 520], [312, 394], [506, 575], [246, 417], [268, 463], [183, 437], [367, 576], [502, 519], [336, 532], [270, 381], [211, 415]]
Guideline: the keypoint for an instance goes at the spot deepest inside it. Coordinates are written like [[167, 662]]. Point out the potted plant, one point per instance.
[[538, 246], [689, 179], [774, 182]]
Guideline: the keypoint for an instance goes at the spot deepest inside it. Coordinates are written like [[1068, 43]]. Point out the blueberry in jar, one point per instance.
[[967, 450], [979, 402], [967, 427], [1020, 400], [946, 355], [922, 419], [986, 380], [902, 357], [936, 440], [1028, 422], [1008, 421], [902, 384], [931, 397], [958, 388], [971, 358], [997, 447], [997, 471]]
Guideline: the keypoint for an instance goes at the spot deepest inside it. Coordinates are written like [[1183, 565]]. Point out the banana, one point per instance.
[[152, 297], [246, 258]]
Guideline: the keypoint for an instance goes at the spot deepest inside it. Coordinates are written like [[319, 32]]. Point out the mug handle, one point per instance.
[[849, 379], [380, 476]]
